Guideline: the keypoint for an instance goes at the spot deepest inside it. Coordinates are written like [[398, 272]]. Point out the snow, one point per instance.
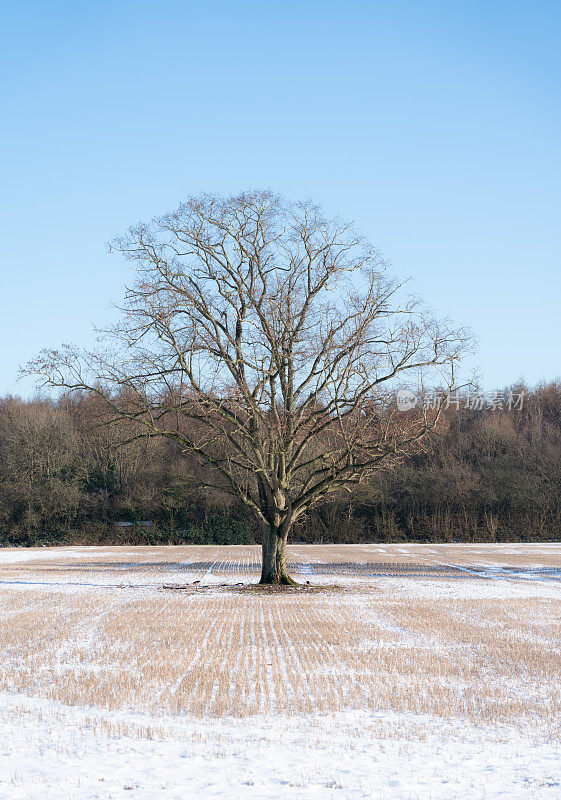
[[13, 555], [484, 589], [52, 751], [56, 753]]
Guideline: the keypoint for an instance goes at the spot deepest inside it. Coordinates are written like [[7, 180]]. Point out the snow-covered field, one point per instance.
[[414, 672]]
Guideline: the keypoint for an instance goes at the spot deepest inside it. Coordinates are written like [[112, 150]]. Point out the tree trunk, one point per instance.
[[274, 557]]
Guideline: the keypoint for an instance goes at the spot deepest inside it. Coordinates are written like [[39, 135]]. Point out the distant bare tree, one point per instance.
[[267, 340], [38, 447]]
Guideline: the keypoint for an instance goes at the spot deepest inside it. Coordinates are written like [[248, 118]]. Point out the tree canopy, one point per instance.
[[269, 342]]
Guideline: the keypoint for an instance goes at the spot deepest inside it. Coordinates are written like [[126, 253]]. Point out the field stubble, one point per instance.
[[375, 646]]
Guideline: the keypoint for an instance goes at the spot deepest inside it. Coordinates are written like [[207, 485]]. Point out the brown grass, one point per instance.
[[221, 653]]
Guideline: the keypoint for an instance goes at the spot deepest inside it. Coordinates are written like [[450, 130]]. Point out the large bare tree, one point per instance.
[[269, 341]]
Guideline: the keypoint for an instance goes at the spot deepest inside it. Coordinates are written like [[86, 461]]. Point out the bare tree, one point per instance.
[[267, 340]]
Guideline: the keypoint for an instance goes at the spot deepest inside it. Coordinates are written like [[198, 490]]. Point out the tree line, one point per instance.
[[486, 474]]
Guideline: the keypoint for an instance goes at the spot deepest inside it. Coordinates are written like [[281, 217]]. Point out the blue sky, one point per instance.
[[434, 125]]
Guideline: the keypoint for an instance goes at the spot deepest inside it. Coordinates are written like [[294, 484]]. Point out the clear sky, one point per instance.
[[434, 125]]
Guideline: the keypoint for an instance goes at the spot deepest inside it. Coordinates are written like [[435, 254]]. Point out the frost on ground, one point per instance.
[[424, 672], [55, 752]]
